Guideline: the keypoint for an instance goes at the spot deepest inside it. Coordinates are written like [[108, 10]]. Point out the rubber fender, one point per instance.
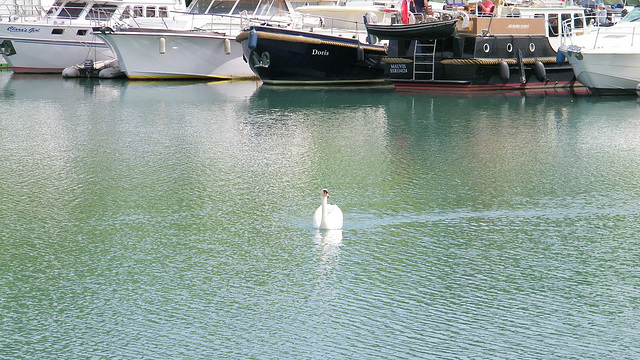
[[560, 58], [162, 45], [253, 39], [227, 46], [505, 73], [539, 71]]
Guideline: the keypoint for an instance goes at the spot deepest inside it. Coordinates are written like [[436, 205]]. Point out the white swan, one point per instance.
[[327, 216]]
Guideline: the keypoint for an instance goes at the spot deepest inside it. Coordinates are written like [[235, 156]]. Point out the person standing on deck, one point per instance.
[[485, 8]]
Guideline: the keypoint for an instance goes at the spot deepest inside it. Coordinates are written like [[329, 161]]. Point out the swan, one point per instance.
[[327, 216]]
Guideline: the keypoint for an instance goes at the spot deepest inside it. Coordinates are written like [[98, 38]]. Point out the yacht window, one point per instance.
[[565, 21], [101, 12], [71, 10], [137, 11], [578, 23], [553, 25], [633, 16], [82, 32], [224, 7], [163, 12], [126, 13], [54, 8], [249, 6], [151, 11], [57, 31], [199, 7]]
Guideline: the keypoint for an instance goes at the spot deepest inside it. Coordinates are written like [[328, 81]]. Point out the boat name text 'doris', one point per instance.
[[23, 29], [320, 52]]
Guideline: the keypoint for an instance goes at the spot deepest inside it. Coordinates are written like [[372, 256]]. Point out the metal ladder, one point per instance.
[[424, 59]]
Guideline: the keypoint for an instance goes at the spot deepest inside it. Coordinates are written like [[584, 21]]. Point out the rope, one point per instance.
[[308, 40], [528, 61]]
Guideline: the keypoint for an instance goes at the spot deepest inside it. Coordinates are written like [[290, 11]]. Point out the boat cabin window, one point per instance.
[[553, 25], [212, 7], [101, 12], [81, 32], [71, 10], [126, 13], [57, 31], [54, 8], [163, 11], [565, 19], [137, 11], [226, 7], [578, 22], [151, 11], [199, 7], [249, 6], [271, 8]]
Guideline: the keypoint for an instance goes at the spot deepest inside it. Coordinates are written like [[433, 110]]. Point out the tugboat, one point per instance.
[[483, 53]]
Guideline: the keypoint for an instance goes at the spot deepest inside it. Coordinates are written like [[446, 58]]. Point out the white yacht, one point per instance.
[[607, 60], [200, 44], [62, 35]]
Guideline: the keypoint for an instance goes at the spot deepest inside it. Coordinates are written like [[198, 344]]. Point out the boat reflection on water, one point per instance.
[[53, 87], [310, 97], [192, 91]]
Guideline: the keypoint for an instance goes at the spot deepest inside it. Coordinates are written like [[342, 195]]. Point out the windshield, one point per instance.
[[262, 7], [633, 16]]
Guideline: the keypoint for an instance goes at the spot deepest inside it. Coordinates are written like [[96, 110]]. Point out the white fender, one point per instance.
[[162, 46]]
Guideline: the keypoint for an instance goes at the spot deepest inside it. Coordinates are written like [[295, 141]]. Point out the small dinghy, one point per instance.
[[420, 31], [107, 69]]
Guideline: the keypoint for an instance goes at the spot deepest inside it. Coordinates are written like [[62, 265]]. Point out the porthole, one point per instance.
[[509, 47], [486, 47], [532, 47]]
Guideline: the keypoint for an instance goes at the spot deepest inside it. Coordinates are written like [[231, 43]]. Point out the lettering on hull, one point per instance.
[[29, 30], [317, 52]]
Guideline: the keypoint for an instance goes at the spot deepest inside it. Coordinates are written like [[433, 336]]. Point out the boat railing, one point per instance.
[[22, 13], [97, 15], [600, 36], [233, 23]]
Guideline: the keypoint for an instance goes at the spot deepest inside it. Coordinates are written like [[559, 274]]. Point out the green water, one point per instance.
[[171, 220]]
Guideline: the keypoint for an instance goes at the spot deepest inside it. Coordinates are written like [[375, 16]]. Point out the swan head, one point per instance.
[[325, 193]]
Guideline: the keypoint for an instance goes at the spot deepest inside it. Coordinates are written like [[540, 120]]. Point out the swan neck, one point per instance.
[[323, 221]]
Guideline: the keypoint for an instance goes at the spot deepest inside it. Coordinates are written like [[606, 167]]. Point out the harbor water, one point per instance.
[[173, 220]]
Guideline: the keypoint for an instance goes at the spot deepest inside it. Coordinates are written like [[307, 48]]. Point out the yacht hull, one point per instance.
[[177, 55], [607, 72], [28, 49]]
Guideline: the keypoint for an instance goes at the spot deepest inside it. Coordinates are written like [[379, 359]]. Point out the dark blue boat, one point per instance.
[[282, 56], [420, 31]]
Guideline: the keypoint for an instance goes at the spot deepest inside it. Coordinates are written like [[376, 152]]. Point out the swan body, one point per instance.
[[327, 216]]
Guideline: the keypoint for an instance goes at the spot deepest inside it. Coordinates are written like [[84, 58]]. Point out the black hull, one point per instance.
[[479, 63], [290, 57]]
